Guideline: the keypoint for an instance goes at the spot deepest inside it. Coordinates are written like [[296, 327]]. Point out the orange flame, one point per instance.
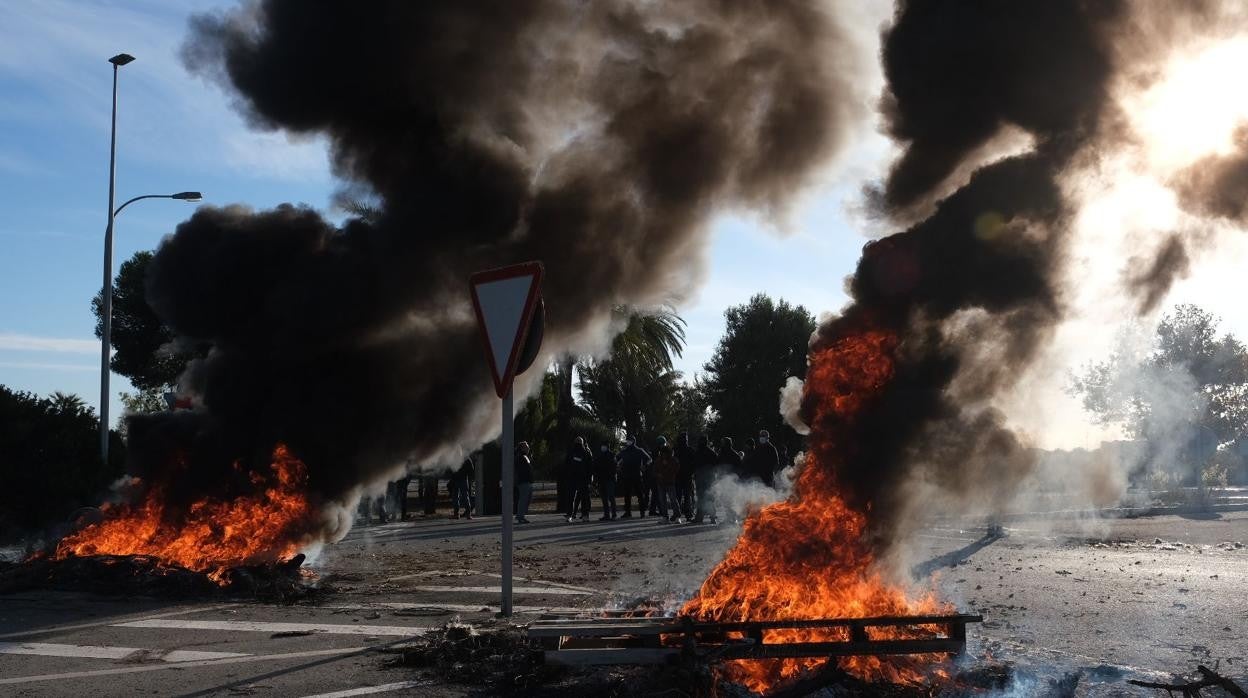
[[212, 535], [806, 557]]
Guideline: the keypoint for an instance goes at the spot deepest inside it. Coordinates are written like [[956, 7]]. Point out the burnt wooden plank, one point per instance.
[[585, 627], [626, 655]]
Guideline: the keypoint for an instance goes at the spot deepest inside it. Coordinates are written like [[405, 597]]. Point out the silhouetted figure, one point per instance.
[[684, 475], [763, 462], [524, 481], [604, 472], [633, 461], [705, 461], [460, 486], [578, 465], [666, 470]]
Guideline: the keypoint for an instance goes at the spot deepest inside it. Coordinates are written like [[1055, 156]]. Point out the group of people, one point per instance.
[[674, 481], [393, 505]]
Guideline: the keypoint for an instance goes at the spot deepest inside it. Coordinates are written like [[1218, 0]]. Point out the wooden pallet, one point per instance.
[[622, 640]]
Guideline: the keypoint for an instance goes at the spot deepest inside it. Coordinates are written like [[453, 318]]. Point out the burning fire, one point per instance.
[[212, 535], [806, 557]]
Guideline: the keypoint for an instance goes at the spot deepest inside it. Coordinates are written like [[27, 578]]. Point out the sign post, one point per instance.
[[505, 301]]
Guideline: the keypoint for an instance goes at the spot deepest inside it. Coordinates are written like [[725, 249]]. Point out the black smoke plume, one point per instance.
[[971, 291], [597, 137]]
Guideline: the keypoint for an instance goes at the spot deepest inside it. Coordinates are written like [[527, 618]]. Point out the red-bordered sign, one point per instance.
[[503, 300]]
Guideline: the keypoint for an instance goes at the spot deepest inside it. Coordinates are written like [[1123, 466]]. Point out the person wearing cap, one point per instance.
[[666, 472], [577, 465], [524, 482], [633, 461], [763, 462]]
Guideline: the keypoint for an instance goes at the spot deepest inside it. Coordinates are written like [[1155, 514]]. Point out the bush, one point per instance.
[[49, 454]]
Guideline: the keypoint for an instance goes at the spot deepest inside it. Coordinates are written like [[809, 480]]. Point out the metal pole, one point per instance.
[[107, 288], [508, 484]]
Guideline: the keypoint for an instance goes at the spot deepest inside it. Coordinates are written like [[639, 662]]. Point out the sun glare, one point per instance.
[[1194, 110]]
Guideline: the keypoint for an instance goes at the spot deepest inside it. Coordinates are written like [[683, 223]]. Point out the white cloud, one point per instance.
[[23, 342]]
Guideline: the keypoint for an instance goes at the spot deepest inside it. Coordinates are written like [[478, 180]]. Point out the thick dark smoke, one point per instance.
[[972, 290], [596, 137], [1151, 283], [1217, 186]]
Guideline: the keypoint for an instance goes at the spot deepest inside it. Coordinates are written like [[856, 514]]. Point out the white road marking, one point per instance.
[[111, 621], [366, 690], [558, 585], [180, 665], [557, 591], [433, 573], [262, 627], [44, 649]]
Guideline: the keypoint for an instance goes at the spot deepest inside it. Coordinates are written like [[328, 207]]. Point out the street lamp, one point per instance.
[[107, 288]]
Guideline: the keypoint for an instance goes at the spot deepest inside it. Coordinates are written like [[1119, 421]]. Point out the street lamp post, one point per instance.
[[107, 288], [107, 310]]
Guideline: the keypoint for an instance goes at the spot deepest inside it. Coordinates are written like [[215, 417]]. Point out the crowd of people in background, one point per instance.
[[673, 482], [669, 480]]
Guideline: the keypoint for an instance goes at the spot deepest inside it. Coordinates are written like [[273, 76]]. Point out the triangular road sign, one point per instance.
[[504, 300]]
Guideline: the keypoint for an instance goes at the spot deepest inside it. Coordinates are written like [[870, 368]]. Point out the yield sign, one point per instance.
[[504, 300]]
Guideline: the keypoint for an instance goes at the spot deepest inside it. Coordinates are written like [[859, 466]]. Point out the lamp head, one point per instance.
[[188, 196], [121, 59]]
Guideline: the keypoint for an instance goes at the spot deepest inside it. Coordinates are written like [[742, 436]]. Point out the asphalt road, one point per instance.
[[1107, 600]]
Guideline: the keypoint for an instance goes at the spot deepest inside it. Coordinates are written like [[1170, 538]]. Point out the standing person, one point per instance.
[[705, 462], [458, 484], [524, 482], [666, 470], [653, 490], [764, 460], [731, 461], [685, 456], [577, 465], [431, 495], [400, 494], [633, 461], [604, 471]]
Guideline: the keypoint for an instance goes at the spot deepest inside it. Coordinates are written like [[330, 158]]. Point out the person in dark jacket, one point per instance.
[[666, 468], [633, 461], [706, 461], [524, 482], [578, 464], [459, 485], [730, 459], [684, 476], [763, 462], [604, 473]]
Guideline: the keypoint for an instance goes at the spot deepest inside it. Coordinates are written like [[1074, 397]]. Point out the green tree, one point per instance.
[[1183, 391], [49, 454], [636, 387], [142, 344], [764, 343]]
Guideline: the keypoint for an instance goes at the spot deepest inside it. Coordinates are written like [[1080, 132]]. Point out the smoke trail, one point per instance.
[[971, 289], [597, 137]]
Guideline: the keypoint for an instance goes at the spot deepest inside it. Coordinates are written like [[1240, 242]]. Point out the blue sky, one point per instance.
[[176, 132]]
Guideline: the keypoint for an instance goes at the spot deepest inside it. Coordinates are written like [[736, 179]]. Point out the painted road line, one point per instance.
[[262, 627], [558, 585], [112, 621], [497, 590], [44, 649], [434, 573], [181, 665], [367, 690]]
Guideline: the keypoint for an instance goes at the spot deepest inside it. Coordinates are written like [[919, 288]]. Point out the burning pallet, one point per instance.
[[617, 640]]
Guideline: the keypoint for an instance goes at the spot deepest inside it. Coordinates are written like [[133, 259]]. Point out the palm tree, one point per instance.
[[66, 403], [636, 387]]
